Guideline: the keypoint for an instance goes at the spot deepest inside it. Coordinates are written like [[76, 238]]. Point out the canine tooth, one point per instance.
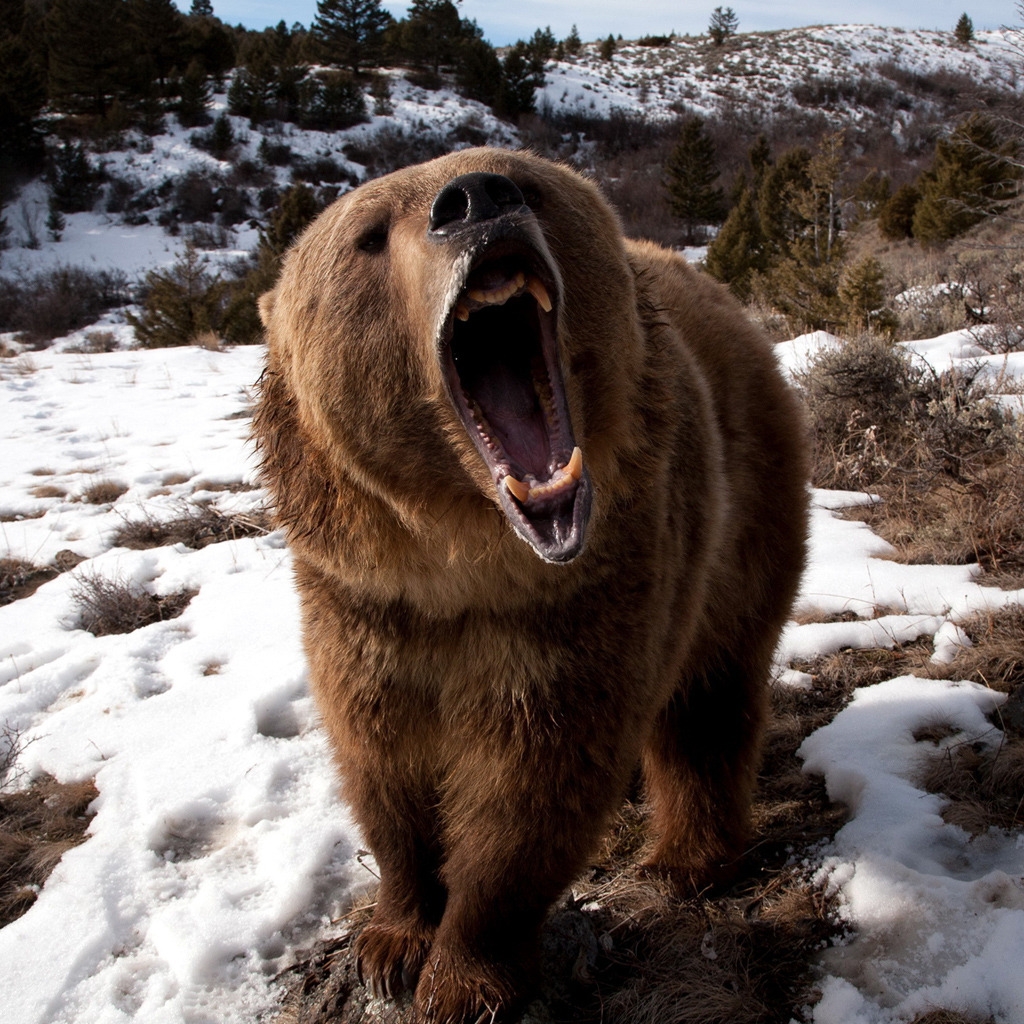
[[518, 489], [540, 293], [575, 466], [461, 312]]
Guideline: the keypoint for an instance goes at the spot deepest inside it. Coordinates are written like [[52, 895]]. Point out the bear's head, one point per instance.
[[463, 331]]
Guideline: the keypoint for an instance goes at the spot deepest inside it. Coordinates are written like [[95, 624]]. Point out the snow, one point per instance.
[[219, 846]]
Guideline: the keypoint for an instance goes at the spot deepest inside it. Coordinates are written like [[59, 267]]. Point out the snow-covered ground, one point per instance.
[[218, 845]]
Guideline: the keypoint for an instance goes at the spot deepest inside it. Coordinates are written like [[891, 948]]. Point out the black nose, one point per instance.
[[472, 198]]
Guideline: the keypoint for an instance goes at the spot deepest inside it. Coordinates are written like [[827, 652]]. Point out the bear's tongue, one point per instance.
[[500, 381]]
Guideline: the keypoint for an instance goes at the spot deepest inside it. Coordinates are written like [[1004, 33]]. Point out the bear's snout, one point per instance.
[[471, 199]]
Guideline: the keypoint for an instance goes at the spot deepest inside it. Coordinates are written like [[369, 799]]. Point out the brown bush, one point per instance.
[[108, 605]]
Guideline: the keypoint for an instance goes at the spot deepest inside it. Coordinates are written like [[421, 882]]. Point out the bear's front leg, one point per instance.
[[392, 948], [519, 827]]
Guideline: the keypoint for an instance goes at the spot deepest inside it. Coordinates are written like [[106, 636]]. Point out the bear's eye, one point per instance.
[[373, 240], [532, 197]]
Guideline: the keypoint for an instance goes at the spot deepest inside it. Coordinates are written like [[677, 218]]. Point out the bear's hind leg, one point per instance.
[[700, 768]]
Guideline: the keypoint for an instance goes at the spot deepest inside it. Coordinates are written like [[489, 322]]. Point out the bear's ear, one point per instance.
[[266, 304]]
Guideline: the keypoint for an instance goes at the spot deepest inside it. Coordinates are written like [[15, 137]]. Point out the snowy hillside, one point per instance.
[[761, 73]]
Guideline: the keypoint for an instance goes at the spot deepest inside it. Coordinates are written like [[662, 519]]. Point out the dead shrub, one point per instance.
[[55, 302], [198, 524], [37, 827], [19, 578], [103, 492], [95, 342], [109, 605]]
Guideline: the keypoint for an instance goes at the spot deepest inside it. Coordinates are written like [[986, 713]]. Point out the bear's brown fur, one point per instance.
[[492, 666]]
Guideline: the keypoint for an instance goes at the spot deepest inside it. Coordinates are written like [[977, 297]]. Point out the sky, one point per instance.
[[504, 22]]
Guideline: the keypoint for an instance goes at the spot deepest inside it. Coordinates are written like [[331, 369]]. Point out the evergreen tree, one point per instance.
[[89, 53], [195, 96], [542, 44], [157, 39], [608, 48], [521, 76], [212, 44], [296, 209], [478, 72], [803, 282], [896, 214], [337, 102], [972, 177], [964, 30], [862, 293], [22, 95], [74, 185], [350, 33], [253, 89], [723, 24], [432, 33], [572, 43], [180, 304], [692, 170], [201, 9], [738, 252]]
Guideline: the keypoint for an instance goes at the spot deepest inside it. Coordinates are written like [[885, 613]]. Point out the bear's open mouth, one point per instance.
[[506, 382]]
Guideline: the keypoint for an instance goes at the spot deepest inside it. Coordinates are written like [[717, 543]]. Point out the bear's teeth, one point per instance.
[[496, 296], [575, 466], [563, 478], [461, 312], [536, 288], [519, 490]]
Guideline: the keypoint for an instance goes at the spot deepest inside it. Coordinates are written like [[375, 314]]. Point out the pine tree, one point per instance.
[[89, 51], [862, 292], [738, 252], [296, 209], [520, 78], [723, 24], [349, 33], [432, 33], [181, 303], [896, 214], [803, 279], [22, 95], [972, 177], [201, 9], [964, 30], [157, 39], [691, 173], [572, 43], [608, 48], [478, 72], [195, 97]]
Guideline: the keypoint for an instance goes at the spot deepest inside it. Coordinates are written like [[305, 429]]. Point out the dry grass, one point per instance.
[[108, 605], [37, 827], [103, 492], [198, 524]]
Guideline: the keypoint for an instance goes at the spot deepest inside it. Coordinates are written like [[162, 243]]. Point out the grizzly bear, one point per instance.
[[546, 494]]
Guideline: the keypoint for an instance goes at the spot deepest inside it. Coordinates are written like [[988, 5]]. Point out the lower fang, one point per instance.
[[461, 312], [519, 490]]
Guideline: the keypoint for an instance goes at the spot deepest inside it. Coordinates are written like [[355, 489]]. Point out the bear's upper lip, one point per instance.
[[504, 376]]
